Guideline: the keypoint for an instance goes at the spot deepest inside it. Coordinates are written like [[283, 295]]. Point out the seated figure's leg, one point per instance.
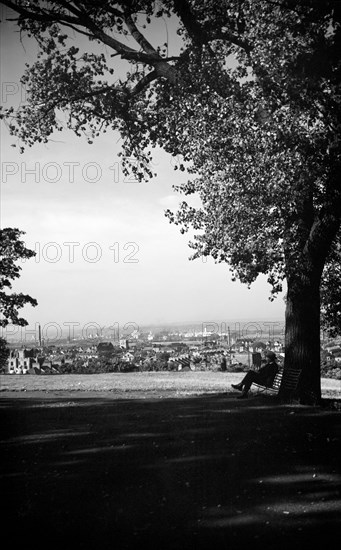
[[246, 383], [248, 380], [240, 385]]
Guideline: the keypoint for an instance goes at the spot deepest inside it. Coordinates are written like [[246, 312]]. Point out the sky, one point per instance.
[[106, 253]]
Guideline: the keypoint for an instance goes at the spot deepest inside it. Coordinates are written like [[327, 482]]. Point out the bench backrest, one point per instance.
[[291, 379], [278, 379]]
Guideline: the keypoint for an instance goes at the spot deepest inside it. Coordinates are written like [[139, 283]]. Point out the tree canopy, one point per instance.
[[251, 100], [249, 104], [12, 249]]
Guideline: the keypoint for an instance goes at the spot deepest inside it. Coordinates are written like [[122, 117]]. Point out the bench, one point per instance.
[[274, 389], [291, 381]]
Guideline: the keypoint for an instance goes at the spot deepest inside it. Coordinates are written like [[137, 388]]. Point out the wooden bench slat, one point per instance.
[[291, 381]]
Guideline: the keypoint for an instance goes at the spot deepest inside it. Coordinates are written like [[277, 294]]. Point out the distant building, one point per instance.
[[21, 361]]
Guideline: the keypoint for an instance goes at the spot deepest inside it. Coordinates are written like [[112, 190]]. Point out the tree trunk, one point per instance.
[[301, 377]]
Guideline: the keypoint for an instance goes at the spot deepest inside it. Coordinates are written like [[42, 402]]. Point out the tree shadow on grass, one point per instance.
[[197, 472]]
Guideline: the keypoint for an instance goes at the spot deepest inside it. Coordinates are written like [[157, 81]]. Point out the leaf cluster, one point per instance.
[[12, 249]]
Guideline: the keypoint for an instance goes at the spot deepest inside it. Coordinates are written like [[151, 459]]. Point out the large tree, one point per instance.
[[249, 104]]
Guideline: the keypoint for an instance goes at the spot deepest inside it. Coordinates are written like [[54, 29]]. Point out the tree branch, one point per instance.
[[85, 21], [138, 36], [197, 32], [149, 56], [143, 83], [38, 16], [227, 35]]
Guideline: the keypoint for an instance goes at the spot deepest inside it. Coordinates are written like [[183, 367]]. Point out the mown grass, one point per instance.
[[196, 382], [173, 382]]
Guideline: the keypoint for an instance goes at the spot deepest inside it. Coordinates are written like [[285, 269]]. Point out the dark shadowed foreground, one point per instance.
[[85, 470]]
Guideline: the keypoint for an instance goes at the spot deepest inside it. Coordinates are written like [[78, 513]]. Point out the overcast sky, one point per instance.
[[105, 251]]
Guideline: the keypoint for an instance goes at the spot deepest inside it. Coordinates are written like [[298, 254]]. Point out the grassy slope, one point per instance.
[[177, 382]]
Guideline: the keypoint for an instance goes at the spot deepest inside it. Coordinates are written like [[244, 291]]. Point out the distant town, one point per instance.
[[200, 348]]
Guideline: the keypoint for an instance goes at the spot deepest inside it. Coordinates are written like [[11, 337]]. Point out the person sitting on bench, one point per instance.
[[264, 377]]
